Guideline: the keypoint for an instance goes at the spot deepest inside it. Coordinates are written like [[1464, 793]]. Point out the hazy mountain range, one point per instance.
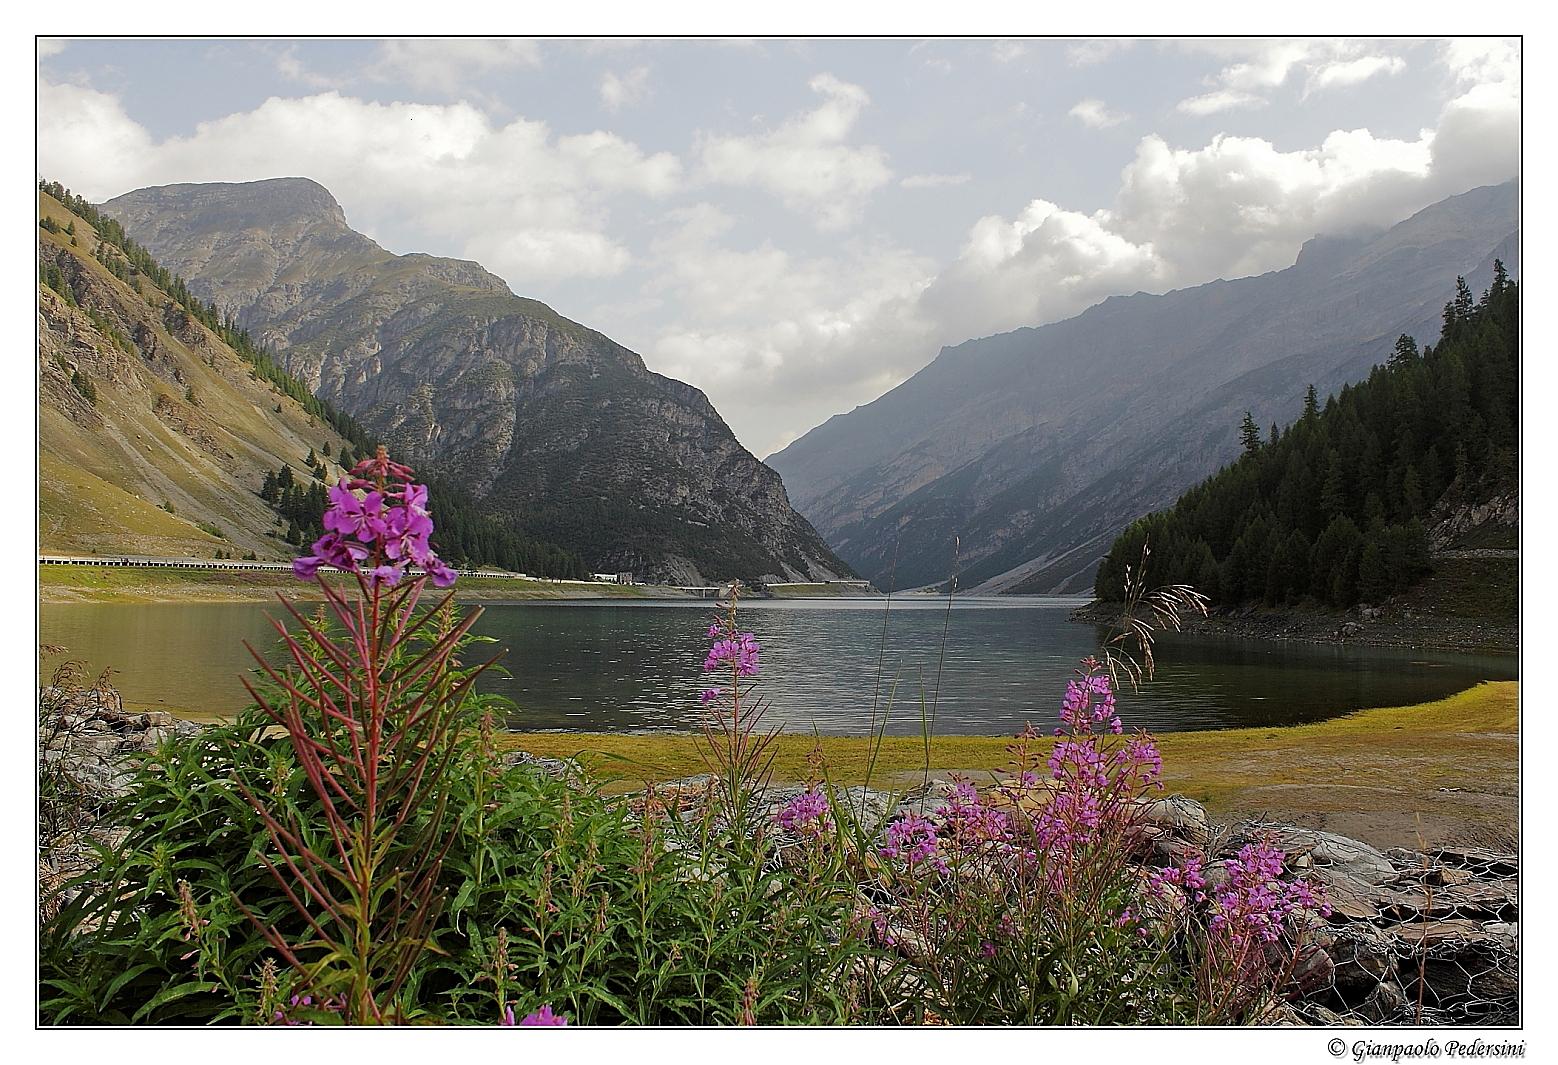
[[1034, 448]]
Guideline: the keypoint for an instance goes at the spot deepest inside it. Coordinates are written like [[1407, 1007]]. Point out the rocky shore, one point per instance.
[[1415, 937], [1367, 626]]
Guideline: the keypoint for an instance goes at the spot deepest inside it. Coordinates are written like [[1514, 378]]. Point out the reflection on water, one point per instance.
[[625, 666]]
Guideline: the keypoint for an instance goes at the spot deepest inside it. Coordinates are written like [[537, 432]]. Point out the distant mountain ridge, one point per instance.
[[551, 424], [1035, 447]]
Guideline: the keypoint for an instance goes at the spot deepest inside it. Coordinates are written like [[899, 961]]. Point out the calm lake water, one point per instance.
[[633, 666]]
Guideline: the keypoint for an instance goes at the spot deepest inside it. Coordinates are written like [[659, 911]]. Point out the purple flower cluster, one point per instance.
[[541, 1018], [1095, 779], [1252, 907], [336, 1004], [806, 814], [1089, 701], [967, 818], [913, 839], [1187, 876], [380, 533], [739, 649], [1255, 903]]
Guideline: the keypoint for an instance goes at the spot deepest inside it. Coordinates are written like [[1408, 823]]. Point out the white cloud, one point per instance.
[[624, 90], [1259, 67], [1087, 53], [50, 46], [291, 66], [1095, 114], [449, 65], [1008, 51], [1352, 71], [1483, 60], [528, 203], [1232, 207], [806, 161], [779, 340], [1219, 100], [934, 181]]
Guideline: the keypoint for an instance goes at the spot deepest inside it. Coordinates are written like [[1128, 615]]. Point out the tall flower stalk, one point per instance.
[[370, 703], [739, 754]]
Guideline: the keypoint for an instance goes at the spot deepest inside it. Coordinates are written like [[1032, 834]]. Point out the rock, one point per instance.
[[1313, 969], [560, 768], [1486, 900], [1349, 897], [1362, 957], [1182, 816], [1328, 1018], [1349, 630], [1483, 862], [1387, 1004], [153, 738], [1327, 850]]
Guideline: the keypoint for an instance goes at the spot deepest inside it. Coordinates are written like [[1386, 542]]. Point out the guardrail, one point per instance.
[[235, 564]]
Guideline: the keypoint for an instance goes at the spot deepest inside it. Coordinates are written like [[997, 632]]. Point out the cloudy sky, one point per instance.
[[798, 226]]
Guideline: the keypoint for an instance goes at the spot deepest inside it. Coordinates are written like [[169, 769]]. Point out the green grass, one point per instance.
[[1392, 762], [817, 591]]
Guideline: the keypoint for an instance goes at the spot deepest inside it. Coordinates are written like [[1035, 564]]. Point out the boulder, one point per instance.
[[1327, 850], [1182, 816]]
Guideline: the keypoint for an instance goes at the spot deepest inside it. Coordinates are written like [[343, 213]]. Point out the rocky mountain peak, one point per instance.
[[556, 428]]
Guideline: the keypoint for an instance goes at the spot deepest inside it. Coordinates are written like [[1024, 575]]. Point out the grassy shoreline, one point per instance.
[[1442, 772]]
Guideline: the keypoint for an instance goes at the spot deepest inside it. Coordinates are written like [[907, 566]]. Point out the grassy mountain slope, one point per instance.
[[166, 456]]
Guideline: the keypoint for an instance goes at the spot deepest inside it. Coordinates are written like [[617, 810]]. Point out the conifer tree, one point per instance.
[[1405, 353], [1249, 435]]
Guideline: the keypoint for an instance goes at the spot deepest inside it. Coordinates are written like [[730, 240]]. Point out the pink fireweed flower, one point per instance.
[[708, 695], [389, 576], [331, 549], [913, 838], [967, 818], [379, 534], [1253, 907], [415, 499], [741, 650], [544, 1018], [351, 516], [806, 814], [380, 468], [443, 576], [404, 535]]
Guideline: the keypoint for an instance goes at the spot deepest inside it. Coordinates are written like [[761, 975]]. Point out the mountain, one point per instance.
[[1035, 447], [1337, 508], [153, 432], [165, 430], [551, 425]]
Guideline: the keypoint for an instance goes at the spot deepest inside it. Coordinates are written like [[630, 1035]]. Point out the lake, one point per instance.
[[620, 666]]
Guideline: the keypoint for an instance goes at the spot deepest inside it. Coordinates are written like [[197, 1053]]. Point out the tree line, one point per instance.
[[1333, 509], [464, 536]]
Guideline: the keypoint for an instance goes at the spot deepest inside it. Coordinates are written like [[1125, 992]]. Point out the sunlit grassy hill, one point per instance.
[[154, 435]]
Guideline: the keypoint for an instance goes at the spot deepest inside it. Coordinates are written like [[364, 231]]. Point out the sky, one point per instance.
[[797, 226]]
